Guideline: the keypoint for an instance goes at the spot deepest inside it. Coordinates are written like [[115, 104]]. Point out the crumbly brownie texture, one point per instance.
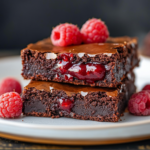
[[112, 60], [52, 99]]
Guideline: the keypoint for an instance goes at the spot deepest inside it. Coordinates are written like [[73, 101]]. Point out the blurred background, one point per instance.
[[24, 21]]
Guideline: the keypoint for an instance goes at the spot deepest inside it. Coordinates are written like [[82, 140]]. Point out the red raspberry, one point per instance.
[[10, 85], [66, 34], [146, 87], [10, 105], [94, 31], [139, 103]]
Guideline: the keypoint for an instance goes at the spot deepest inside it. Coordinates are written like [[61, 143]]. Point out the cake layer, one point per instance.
[[52, 99], [97, 64]]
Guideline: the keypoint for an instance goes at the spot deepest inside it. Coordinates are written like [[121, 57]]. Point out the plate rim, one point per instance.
[[73, 141], [74, 127]]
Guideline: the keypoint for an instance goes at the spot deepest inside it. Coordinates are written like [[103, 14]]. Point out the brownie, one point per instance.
[[53, 99], [96, 64]]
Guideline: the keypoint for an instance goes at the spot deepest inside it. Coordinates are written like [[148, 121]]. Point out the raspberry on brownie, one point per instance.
[[66, 34], [94, 31], [52, 99], [95, 64]]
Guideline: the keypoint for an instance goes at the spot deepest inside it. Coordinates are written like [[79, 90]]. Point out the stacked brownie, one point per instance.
[[87, 81]]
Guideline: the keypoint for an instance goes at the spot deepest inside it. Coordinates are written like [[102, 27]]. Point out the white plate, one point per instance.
[[73, 131]]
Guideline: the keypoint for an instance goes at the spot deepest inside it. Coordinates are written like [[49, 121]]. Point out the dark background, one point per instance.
[[26, 21]]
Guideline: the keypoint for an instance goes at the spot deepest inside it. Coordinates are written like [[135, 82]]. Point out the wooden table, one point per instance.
[[16, 145]]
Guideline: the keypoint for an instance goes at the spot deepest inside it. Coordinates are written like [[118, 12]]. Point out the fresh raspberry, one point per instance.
[[94, 31], [10, 85], [10, 105], [66, 34], [139, 103], [146, 87]]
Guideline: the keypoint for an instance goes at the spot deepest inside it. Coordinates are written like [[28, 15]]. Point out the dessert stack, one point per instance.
[[81, 74]]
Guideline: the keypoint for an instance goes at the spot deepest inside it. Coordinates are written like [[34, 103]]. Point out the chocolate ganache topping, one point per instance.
[[108, 48], [69, 88]]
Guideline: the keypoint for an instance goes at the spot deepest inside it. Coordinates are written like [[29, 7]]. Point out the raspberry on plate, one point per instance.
[[66, 34], [94, 31], [10, 105], [146, 87], [139, 103], [10, 85]]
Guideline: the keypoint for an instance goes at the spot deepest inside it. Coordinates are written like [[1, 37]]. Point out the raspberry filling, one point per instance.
[[90, 72], [65, 104]]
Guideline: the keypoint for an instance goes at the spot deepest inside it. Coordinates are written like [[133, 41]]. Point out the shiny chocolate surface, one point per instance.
[[70, 89], [108, 48]]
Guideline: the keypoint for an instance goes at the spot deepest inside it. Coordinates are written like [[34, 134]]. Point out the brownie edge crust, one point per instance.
[[49, 99]]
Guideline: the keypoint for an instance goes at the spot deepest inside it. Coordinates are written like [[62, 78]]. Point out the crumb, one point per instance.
[[122, 115], [126, 110]]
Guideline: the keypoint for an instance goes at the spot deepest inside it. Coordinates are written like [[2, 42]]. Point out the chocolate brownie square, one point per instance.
[[96, 64], [53, 99]]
